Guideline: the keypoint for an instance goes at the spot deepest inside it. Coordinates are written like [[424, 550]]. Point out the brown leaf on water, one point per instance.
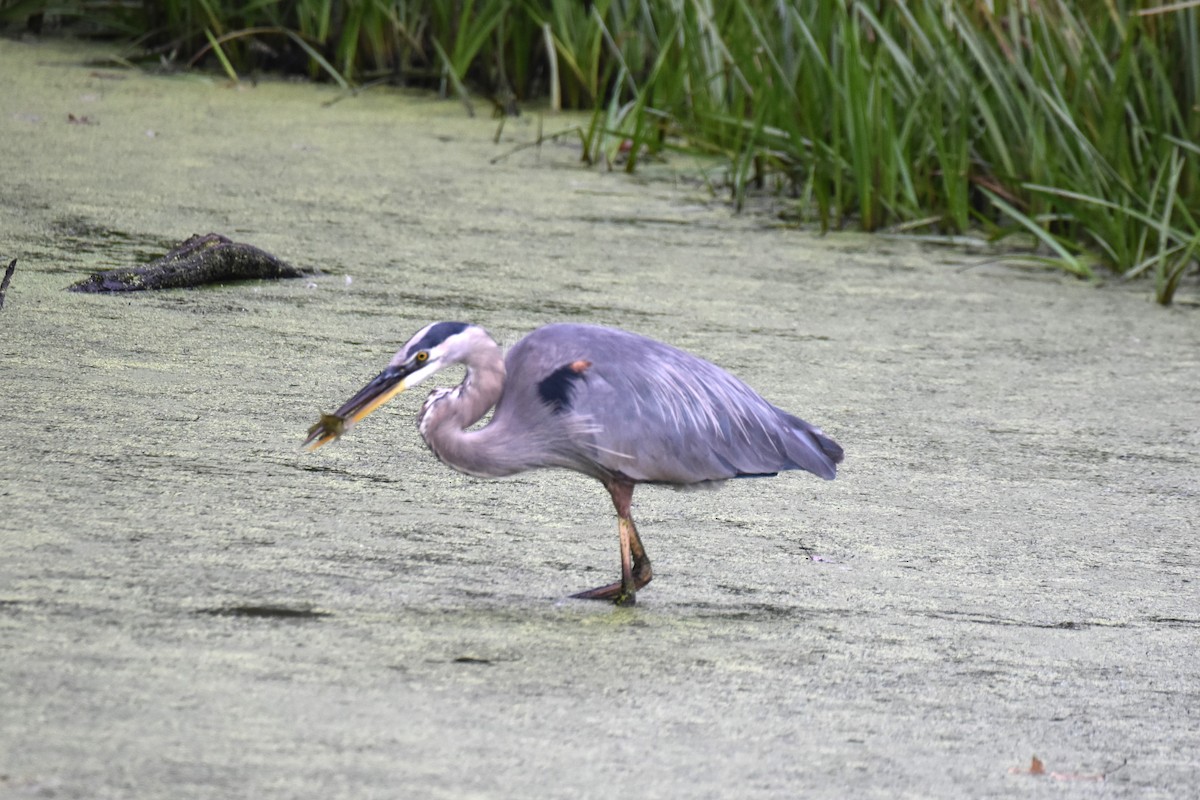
[[1036, 767]]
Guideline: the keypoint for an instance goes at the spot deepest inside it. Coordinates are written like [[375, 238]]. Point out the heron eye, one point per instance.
[[422, 357]]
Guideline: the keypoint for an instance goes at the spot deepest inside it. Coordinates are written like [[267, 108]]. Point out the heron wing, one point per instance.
[[619, 402]]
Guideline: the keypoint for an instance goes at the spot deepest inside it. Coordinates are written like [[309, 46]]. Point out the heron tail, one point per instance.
[[814, 451]]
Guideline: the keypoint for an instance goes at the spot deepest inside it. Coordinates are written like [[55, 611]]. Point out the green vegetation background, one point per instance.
[[1071, 126]]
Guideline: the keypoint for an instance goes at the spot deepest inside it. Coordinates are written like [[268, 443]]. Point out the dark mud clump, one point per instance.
[[199, 260]]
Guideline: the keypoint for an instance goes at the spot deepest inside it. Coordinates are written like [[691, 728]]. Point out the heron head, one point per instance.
[[433, 348]]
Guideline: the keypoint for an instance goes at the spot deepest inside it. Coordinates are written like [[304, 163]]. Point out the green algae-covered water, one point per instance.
[[192, 607]]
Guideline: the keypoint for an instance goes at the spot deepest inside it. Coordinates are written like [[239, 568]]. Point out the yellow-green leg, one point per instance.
[[635, 564]]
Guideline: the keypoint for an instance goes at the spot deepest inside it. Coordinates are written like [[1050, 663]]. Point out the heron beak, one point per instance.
[[383, 387]]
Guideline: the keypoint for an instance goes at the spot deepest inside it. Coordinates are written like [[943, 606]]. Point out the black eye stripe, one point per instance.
[[438, 334]]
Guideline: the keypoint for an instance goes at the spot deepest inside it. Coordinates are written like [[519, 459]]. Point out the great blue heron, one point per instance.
[[608, 403]]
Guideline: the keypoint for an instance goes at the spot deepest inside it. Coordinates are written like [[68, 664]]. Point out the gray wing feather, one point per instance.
[[652, 412]]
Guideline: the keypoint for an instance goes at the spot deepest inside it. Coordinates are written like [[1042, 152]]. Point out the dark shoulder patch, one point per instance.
[[555, 388], [437, 334]]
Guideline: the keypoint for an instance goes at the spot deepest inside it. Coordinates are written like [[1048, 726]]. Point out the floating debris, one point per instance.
[[199, 260], [299, 611], [8, 273]]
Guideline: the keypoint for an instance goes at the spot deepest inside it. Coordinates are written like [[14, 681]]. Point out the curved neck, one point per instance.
[[448, 413]]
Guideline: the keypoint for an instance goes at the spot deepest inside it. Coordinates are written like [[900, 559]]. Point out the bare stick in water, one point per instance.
[[8, 273]]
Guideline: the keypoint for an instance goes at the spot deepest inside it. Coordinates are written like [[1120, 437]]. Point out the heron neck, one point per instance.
[[448, 413]]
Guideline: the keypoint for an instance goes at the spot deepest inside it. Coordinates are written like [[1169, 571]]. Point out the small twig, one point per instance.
[[539, 141], [355, 91], [8, 273], [1145, 12]]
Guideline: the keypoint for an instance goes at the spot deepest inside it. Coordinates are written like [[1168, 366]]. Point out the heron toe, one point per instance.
[[616, 592]]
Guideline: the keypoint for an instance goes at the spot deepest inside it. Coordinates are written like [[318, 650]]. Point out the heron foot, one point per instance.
[[616, 592], [620, 592]]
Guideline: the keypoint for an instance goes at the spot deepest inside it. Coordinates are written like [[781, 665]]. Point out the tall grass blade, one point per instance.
[[1065, 258], [318, 59], [220, 54]]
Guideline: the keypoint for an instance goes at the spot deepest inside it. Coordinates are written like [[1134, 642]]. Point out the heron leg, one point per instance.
[[635, 564]]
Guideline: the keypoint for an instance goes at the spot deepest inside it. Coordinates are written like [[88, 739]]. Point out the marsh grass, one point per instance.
[[1069, 127]]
